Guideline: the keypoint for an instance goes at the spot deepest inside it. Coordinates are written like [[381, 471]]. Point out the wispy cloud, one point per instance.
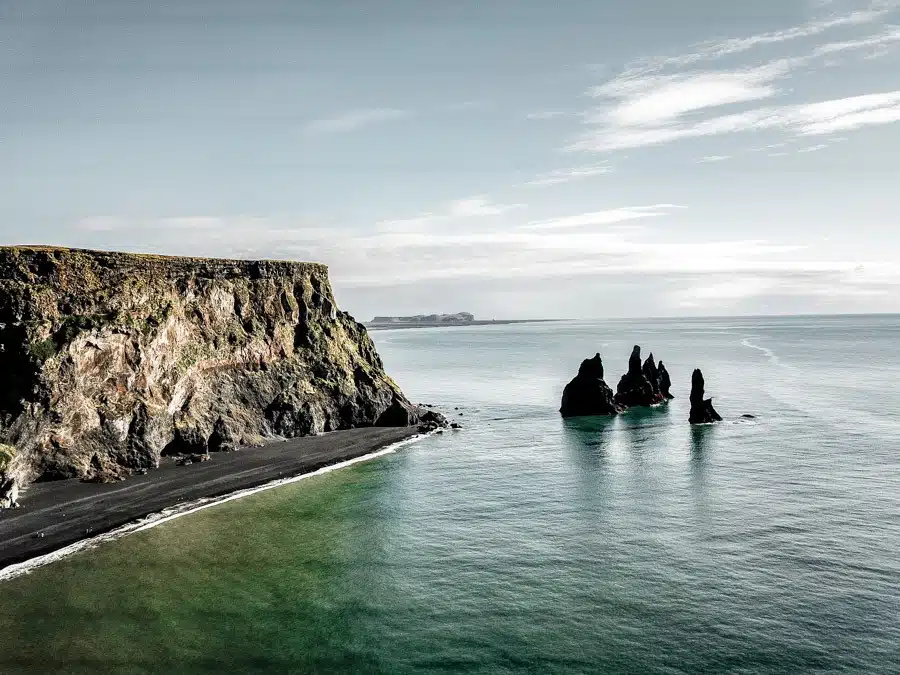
[[717, 49], [545, 115], [660, 101], [711, 159], [481, 205], [567, 175], [356, 119], [642, 100], [478, 206], [811, 119], [606, 217]]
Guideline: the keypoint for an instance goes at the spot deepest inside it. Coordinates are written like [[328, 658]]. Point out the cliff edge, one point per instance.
[[111, 360]]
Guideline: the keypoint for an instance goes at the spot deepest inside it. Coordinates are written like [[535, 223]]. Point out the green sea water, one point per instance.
[[526, 544]]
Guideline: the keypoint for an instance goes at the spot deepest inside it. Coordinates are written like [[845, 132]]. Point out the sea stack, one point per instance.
[[111, 360], [664, 381], [588, 394], [702, 411], [635, 388]]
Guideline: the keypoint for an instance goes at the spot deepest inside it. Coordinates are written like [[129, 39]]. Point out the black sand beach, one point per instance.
[[68, 511]]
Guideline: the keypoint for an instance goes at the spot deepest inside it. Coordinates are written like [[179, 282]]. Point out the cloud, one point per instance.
[[356, 119], [652, 100], [567, 175], [660, 101], [888, 37], [713, 50], [545, 115], [710, 159], [478, 206], [607, 217], [809, 119]]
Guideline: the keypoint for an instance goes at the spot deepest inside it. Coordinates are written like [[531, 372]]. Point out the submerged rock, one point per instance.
[[702, 411], [588, 394], [111, 360], [636, 388]]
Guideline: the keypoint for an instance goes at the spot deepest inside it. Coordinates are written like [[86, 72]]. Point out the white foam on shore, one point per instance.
[[187, 508]]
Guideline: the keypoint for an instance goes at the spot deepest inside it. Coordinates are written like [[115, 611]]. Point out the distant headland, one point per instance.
[[439, 320]]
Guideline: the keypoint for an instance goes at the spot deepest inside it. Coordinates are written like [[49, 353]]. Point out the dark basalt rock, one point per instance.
[[702, 411], [663, 381], [636, 388], [402, 413], [587, 394]]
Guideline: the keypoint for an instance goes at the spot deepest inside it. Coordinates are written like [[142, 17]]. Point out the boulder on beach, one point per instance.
[[702, 411], [588, 394], [635, 388]]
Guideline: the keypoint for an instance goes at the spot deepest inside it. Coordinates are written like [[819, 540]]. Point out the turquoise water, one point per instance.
[[525, 544]]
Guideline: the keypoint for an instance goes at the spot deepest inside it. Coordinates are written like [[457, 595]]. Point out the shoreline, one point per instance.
[[75, 516]]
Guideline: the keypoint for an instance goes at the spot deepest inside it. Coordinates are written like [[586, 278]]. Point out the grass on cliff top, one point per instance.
[[28, 248]]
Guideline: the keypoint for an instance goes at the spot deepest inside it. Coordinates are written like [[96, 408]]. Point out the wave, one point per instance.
[[187, 508], [773, 357]]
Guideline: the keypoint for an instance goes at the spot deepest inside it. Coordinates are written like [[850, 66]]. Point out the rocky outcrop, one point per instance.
[[112, 360], [664, 382], [702, 411], [636, 388], [587, 394]]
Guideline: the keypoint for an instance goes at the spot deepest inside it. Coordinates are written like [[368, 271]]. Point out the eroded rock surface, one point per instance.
[[664, 382], [702, 411], [111, 360], [588, 394], [636, 388]]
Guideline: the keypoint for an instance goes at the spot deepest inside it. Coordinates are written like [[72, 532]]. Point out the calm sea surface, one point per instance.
[[525, 544]]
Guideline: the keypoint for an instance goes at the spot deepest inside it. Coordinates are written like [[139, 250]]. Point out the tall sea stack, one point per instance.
[[112, 360], [702, 411], [588, 394], [635, 388], [664, 381]]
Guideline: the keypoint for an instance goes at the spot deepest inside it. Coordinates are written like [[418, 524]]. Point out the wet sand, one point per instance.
[[65, 512]]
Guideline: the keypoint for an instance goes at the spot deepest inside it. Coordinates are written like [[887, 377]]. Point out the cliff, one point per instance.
[[111, 360]]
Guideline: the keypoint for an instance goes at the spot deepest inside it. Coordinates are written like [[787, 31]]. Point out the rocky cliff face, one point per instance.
[[111, 360]]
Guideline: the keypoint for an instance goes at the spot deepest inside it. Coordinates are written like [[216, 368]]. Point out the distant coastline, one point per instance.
[[440, 320], [447, 324]]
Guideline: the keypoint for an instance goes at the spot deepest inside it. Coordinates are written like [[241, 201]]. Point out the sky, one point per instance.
[[512, 158]]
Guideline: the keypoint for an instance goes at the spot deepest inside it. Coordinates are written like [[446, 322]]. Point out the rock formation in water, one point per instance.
[[635, 388], [702, 411], [112, 360], [587, 394], [664, 382]]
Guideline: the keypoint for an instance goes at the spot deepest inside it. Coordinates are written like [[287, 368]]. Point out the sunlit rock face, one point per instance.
[[111, 360]]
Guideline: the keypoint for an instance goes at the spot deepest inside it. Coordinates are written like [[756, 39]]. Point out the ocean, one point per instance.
[[529, 544]]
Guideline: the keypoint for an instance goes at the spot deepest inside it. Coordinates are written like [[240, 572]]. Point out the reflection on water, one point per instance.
[[701, 438]]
